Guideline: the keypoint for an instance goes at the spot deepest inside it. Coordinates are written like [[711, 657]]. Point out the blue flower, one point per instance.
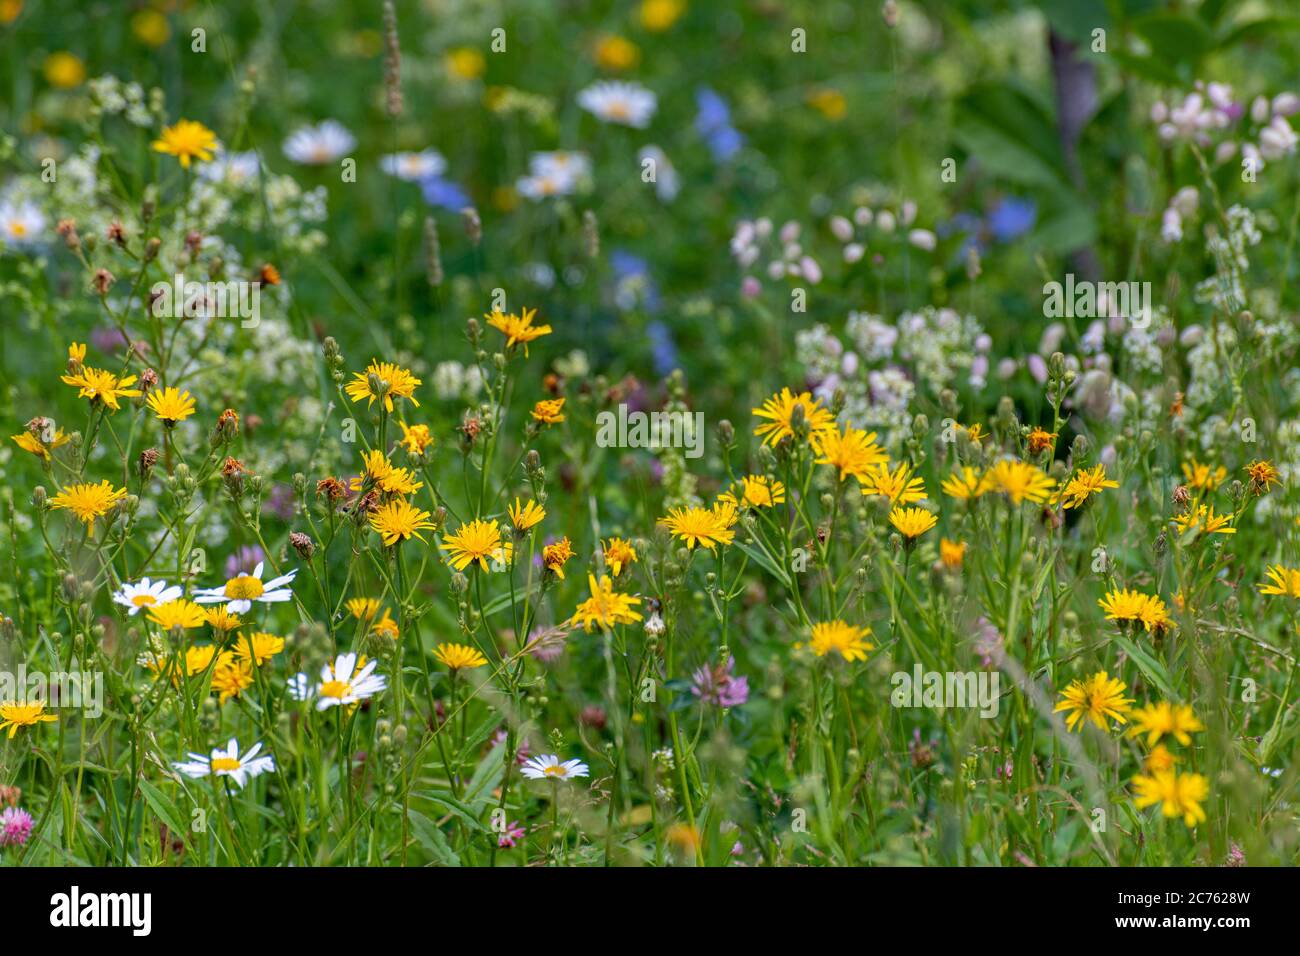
[[713, 123], [1011, 218], [444, 193]]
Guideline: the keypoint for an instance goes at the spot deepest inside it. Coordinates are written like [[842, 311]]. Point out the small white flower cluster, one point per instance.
[[1225, 289], [1182, 207], [785, 255], [452, 381], [109, 95], [853, 234], [1210, 111]]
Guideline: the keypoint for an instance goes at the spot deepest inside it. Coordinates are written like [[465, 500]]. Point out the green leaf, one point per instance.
[[432, 839], [1151, 668], [164, 809], [764, 561], [1174, 37], [1011, 134]]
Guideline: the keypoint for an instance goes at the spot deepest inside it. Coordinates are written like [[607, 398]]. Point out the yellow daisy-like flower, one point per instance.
[[549, 411], [900, 486], [965, 483], [259, 647], [221, 620], [518, 329], [756, 491], [1039, 440], [77, 353], [1085, 484], [98, 385], [1128, 605], [1099, 698], [459, 656], [842, 638], [398, 520], [1202, 477], [1160, 758], [231, 678], [702, 526], [1179, 795], [15, 715], [1155, 614], [380, 473], [386, 627], [555, 555], [1286, 582], [614, 52], [974, 432], [362, 608], [479, 541], [465, 63], [619, 554], [187, 141], [779, 410], [852, 451], [389, 381], [179, 613], [606, 607], [88, 501], [659, 15], [171, 405], [527, 516], [952, 553], [416, 439], [1157, 720], [1203, 518], [1019, 481], [1262, 475], [911, 523], [32, 443]]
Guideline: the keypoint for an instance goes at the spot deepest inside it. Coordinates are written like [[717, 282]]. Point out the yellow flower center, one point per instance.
[[244, 588], [335, 688], [144, 600], [224, 763], [555, 771], [18, 229]]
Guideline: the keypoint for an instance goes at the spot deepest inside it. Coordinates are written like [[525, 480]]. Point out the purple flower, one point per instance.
[[444, 193], [280, 502], [1011, 218], [662, 348], [717, 685], [15, 826], [245, 559], [713, 123], [513, 834]]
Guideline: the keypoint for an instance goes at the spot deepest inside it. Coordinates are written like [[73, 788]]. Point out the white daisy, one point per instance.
[[538, 188], [317, 145], [21, 223], [561, 164], [235, 168], [343, 683], [241, 591], [300, 687], [627, 104], [145, 593], [549, 767], [412, 167], [227, 763]]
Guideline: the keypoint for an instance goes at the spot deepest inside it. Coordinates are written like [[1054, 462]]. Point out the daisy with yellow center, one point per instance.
[[1262, 475], [398, 520], [1099, 698], [851, 451], [549, 411], [241, 591], [362, 608], [842, 638], [1286, 582], [258, 648], [555, 555], [171, 405], [187, 141], [221, 620], [416, 439], [1203, 518], [619, 554], [227, 763], [900, 486], [1202, 477], [606, 607], [911, 523], [459, 657], [1083, 485], [36, 444], [100, 386], [145, 593], [179, 613], [15, 715], [952, 553], [383, 380], [1179, 795], [965, 483], [698, 526], [526, 517], [1164, 718], [779, 410], [1019, 481], [88, 501], [346, 681], [518, 329], [478, 541]]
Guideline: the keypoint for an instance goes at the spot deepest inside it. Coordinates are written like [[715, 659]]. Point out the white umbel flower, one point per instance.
[[145, 593], [227, 763], [241, 591], [550, 767], [320, 144], [626, 104]]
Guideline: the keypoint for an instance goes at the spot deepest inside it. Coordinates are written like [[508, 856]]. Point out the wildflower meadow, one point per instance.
[[655, 433]]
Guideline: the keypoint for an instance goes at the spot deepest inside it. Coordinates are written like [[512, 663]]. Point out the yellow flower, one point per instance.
[[389, 380], [555, 555], [179, 613], [757, 491], [1098, 698], [1286, 582], [527, 516], [899, 486], [479, 541], [698, 526], [98, 385], [974, 432], [33, 443], [1019, 481], [14, 715], [465, 63], [398, 520], [1262, 475], [459, 656], [416, 439], [780, 412], [966, 483], [171, 405], [951, 553], [1159, 759], [362, 608], [230, 678], [88, 501], [1127, 605], [259, 647], [614, 52], [1178, 795], [64, 70], [548, 411], [1083, 485], [517, 329], [221, 620], [1157, 720], [619, 554], [380, 473], [842, 638], [852, 451], [150, 28], [606, 606], [187, 141], [386, 627], [1205, 519], [911, 523], [829, 102], [1039, 440], [1200, 476], [9, 10], [659, 15], [77, 353]]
